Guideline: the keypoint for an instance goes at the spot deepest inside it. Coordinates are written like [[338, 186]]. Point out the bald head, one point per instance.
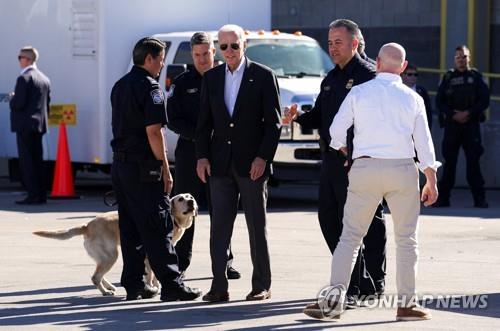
[[391, 59]]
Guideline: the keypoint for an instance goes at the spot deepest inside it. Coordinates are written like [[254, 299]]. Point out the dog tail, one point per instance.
[[63, 234]]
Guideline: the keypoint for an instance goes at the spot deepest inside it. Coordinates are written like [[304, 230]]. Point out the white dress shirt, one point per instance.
[[31, 66], [232, 85], [389, 122]]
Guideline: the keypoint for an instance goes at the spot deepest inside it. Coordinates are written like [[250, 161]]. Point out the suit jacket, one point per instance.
[[253, 130], [30, 104]]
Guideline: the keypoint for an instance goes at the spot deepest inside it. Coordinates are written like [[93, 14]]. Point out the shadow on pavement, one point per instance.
[[486, 305], [112, 313]]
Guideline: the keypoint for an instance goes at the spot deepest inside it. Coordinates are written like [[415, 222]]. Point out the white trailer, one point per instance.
[[85, 47]]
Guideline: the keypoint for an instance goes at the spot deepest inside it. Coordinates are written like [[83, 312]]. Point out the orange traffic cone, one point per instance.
[[63, 186]]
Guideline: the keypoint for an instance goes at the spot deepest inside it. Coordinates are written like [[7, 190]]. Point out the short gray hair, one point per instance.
[[202, 38], [234, 28], [350, 26], [30, 53]]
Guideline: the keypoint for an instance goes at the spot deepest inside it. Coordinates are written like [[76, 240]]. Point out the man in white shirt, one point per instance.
[[389, 125]]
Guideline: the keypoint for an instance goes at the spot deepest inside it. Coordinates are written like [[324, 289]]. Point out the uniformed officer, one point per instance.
[[141, 178], [462, 99], [183, 107], [350, 70]]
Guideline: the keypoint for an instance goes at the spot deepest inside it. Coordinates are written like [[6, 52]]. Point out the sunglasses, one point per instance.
[[234, 46], [460, 57], [22, 57], [410, 74]]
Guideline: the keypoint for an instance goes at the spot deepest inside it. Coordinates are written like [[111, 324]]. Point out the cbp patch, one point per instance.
[[157, 96], [170, 92]]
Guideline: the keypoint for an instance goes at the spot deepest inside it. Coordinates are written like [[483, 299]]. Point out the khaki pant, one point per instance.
[[370, 180]]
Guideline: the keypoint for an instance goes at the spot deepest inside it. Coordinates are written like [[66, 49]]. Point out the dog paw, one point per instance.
[[108, 293]]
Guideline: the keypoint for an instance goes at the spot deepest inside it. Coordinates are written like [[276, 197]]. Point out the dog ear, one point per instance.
[[172, 206]]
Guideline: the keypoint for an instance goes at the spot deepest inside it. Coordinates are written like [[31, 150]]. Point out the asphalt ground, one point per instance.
[[45, 284]]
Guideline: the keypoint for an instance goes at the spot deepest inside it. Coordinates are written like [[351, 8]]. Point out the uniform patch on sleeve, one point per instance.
[[170, 92], [157, 96]]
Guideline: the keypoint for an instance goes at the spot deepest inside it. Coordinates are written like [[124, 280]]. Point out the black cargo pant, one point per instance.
[[186, 181], [145, 228], [467, 136], [368, 275]]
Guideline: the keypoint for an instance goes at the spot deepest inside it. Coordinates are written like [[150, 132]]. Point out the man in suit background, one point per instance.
[[29, 106], [236, 138]]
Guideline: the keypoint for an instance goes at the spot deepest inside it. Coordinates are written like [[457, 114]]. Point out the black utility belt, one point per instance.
[[151, 171]]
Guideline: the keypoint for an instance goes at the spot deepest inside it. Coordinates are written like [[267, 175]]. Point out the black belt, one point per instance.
[[128, 157]]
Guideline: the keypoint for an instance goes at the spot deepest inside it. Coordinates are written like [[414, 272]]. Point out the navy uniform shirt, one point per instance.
[[137, 101], [334, 89], [460, 91], [183, 105]]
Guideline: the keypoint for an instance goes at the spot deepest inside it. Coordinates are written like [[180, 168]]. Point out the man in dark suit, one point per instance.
[[29, 106], [183, 107], [236, 138]]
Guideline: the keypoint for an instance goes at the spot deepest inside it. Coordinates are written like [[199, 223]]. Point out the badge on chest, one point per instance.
[[349, 84]]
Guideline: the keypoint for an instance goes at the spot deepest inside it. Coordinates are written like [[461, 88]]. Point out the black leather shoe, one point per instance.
[[145, 293], [481, 204], [31, 201], [216, 297], [181, 293], [351, 302], [232, 273], [257, 295]]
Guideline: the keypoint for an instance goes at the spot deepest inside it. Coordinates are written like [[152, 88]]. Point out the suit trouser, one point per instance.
[[225, 192], [29, 146], [145, 228], [371, 180], [186, 181], [467, 136], [368, 275]]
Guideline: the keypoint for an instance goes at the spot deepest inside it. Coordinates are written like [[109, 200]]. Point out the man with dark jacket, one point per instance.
[[29, 105], [183, 107], [368, 276], [236, 138]]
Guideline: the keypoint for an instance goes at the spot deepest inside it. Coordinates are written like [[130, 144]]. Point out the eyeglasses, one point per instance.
[[409, 74], [234, 46]]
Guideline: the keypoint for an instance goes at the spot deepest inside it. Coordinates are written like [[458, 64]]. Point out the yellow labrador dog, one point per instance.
[[102, 237]]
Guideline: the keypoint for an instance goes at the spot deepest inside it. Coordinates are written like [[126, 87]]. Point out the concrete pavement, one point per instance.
[[45, 284]]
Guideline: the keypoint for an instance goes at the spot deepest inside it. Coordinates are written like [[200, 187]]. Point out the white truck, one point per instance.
[[85, 46]]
